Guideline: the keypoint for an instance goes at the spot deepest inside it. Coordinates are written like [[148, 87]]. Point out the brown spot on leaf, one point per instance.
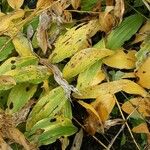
[[11, 106], [13, 67], [12, 61]]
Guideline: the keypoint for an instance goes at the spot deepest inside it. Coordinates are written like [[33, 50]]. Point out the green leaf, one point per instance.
[[16, 63], [124, 31], [30, 74], [6, 82], [86, 78], [6, 47], [83, 60], [87, 5], [19, 96], [47, 106], [50, 129]]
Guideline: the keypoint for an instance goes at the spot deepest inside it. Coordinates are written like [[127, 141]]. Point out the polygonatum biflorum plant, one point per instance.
[[49, 59]]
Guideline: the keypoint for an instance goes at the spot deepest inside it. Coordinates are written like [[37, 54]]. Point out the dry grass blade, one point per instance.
[[77, 140]]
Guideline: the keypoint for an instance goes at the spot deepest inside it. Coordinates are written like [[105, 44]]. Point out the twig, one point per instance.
[[127, 124], [113, 140]]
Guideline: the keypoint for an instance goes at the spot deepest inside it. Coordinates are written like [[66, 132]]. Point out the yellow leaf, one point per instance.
[[7, 20], [111, 88], [83, 60], [121, 59], [93, 122], [138, 106], [143, 73], [15, 4], [74, 40], [104, 105], [141, 128], [22, 45]]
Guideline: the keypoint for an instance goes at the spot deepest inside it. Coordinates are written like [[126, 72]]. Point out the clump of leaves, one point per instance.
[[48, 60]]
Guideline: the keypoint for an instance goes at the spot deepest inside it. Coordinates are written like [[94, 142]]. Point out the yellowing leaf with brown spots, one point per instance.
[[143, 73], [138, 106], [111, 88], [121, 59], [83, 60], [15, 4], [74, 40]]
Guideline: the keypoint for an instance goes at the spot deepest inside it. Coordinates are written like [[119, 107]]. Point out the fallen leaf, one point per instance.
[[141, 128], [138, 106], [42, 35], [107, 21], [93, 122], [104, 105]]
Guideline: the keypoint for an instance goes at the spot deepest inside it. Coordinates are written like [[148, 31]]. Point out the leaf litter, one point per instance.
[[87, 56]]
